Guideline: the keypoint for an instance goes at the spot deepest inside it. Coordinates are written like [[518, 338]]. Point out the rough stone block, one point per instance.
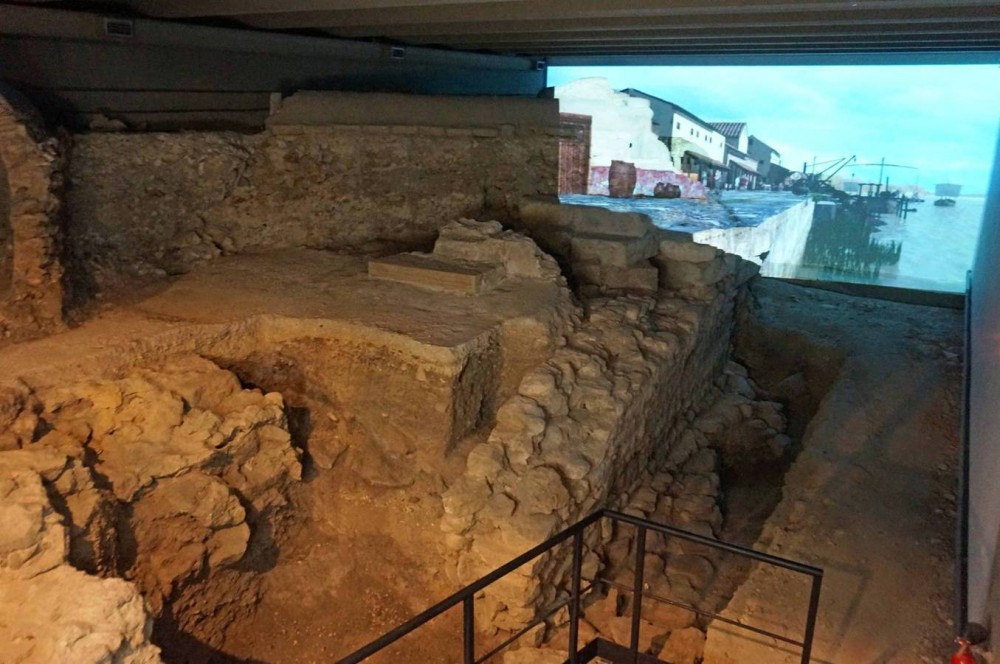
[[642, 277], [619, 630], [587, 273], [684, 646], [680, 274], [612, 250], [598, 221], [695, 570], [476, 242], [666, 617], [422, 270], [685, 250]]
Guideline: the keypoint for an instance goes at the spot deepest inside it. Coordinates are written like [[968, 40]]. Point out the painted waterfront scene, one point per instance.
[[817, 174], [931, 250]]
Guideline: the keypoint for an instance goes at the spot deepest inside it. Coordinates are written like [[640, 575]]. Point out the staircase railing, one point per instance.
[[599, 647]]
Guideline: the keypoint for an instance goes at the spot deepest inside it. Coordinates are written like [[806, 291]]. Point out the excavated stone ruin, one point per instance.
[[280, 440]]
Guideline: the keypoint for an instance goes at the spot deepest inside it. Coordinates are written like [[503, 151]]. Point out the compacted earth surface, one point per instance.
[[345, 575], [871, 496]]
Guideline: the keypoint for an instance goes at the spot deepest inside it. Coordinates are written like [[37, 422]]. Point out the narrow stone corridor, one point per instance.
[[871, 498]]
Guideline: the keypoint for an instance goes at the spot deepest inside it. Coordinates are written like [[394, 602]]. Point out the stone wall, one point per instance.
[[159, 203], [30, 180], [610, 405]]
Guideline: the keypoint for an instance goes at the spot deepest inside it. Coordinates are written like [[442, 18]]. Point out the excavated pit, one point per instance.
[[379, 389], [422, 436]]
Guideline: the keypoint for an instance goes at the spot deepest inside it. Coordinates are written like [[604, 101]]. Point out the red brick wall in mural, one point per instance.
[[574, 153]]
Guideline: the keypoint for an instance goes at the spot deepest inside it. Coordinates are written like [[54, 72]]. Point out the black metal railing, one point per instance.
[[466, 597]]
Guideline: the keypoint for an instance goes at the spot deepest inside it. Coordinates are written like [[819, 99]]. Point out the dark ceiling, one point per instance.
[[622, 27], [595, 27]]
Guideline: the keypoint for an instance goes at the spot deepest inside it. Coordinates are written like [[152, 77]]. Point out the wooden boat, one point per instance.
[[946, 192]]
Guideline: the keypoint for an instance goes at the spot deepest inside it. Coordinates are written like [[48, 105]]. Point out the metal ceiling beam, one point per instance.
[[640, 36], [860, 49], [986, 42], [232, 8], [752, 47], [541, 27], [599, 10], [513, 26]]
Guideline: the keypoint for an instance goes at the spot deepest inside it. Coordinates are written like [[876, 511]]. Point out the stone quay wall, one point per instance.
[[615, 402]]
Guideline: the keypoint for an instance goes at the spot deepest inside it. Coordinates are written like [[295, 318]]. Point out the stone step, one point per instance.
[[428, 272]]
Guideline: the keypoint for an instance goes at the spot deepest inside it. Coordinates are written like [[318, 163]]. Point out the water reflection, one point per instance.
[[844, 245], [931, 249]]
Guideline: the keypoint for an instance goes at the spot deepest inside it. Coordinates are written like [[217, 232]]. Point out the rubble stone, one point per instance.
[[31, 295], [189, 463], [684, 646], [65, 615]]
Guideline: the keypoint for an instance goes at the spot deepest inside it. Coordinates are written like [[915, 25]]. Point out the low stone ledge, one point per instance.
[[424, 271]]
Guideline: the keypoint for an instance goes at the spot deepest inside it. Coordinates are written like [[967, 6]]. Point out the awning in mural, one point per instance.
[[707, 160], [746, 164]]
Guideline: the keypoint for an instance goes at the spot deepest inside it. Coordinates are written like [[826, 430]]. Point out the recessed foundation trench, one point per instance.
[[277, 452]]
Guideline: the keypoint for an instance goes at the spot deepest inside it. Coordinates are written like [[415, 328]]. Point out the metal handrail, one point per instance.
[[466, 595]]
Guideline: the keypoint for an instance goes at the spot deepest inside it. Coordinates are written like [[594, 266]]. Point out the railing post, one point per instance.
[[640, 564], [574, 601], [469, 630], [807, 640]]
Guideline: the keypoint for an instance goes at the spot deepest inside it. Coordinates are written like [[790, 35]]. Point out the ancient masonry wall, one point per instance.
[[159, 203], [611, 404], [30, 182]]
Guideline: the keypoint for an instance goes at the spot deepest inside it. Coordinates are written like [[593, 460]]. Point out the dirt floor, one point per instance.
[[343, 578], [295, 284], [871, 497]]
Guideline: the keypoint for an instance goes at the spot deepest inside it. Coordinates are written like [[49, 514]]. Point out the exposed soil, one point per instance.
[[797, 371], [343, 578]]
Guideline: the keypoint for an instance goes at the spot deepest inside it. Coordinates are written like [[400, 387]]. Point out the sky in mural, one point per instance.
[[941, 121]]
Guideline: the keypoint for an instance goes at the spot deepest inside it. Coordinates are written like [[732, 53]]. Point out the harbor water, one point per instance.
[[932, 249]]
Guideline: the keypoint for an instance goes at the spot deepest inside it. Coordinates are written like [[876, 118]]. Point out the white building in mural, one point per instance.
[[622, 126]]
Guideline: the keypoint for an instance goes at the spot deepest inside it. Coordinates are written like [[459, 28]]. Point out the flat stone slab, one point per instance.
[[429, 272]]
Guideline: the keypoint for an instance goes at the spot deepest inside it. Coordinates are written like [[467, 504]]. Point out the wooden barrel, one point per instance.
[[621, 179]]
